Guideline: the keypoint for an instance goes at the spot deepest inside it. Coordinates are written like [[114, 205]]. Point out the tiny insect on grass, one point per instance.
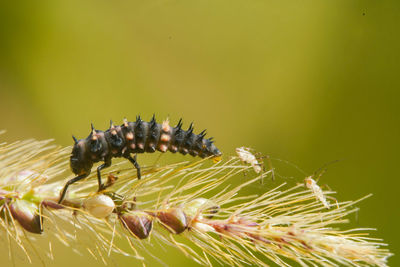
[[255, 159], [311, 182], [245, 155]]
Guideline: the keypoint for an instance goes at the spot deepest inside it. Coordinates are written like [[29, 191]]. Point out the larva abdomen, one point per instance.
[[142, 137]]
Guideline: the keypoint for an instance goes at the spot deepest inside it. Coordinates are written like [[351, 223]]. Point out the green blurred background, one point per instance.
[[304, 81]]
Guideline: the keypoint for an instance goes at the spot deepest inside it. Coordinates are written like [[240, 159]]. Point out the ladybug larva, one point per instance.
[[133, 138]]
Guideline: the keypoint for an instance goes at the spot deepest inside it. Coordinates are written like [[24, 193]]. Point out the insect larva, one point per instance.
[[133, 138]]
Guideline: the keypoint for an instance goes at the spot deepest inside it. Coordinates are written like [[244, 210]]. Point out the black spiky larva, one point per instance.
[[133, 138]]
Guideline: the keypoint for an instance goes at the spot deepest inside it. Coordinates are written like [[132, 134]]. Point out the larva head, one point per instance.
[[215, 151], [79, 161], [212, 150]]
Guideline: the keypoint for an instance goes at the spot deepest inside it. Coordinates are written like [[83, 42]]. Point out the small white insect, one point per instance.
[[311, 184], [246, 156]]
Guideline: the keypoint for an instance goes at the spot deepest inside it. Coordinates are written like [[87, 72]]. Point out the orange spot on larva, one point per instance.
[[165, 137], [163, 148], [152, 147], [165, 126], [129, 136]]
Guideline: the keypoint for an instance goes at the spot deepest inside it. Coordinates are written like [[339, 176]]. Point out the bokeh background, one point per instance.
[[307, 82]]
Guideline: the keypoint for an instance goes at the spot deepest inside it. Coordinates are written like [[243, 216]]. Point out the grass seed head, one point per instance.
[[217, 221]]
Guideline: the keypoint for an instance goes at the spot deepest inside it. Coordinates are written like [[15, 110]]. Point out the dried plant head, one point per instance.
[[199, 207]]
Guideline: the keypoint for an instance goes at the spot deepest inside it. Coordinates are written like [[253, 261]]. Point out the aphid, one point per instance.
[[311, 184], [246, 156], [133, 138]]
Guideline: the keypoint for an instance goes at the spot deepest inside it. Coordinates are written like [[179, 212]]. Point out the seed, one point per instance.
[[27, 214], [100, 206], [173, 219], [138, 223], [200, 207]]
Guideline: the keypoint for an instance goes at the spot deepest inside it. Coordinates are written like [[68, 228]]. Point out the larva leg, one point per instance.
[[73, 180], [134, 162], [106, 164]]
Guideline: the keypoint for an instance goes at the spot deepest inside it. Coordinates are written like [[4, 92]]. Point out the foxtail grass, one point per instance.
[[202, 209]]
